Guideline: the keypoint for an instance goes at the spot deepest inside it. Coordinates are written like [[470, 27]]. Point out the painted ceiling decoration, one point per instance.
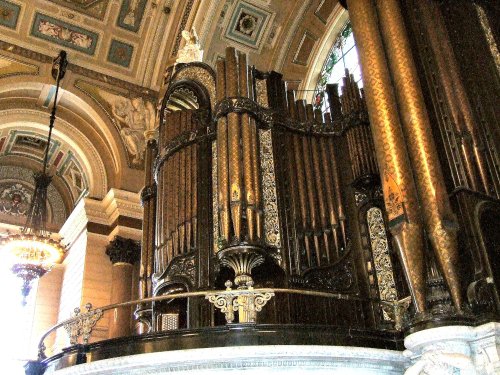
[[120, 53], [30, 145], [16, 190], [101, 35], [9, 12], [15, 199], [131, 13], [248, 25], [65, 34], [109, 36], [276, 34], [91, 8]]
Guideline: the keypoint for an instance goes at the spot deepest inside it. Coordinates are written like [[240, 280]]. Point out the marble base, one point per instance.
[[258, 360], [454, 350]]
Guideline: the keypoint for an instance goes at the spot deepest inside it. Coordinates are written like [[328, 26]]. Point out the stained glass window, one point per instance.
[[342, 56]]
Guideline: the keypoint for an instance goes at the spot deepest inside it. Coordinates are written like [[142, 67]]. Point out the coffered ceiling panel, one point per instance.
[[127, 39]]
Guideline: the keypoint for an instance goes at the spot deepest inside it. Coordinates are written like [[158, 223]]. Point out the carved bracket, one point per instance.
[[396, 310], [246, 301]]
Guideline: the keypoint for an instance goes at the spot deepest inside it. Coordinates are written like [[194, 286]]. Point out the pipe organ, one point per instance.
[[177, 186], [256, 186]]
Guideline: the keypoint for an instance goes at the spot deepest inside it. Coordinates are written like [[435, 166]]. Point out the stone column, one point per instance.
[[437, 213], [400, 194], [123, 253]]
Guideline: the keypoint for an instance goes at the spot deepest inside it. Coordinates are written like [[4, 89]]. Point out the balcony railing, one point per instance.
[[237, 305]]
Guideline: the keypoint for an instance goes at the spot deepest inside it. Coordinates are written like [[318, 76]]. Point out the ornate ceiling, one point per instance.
[[126, 39], [118, 52]]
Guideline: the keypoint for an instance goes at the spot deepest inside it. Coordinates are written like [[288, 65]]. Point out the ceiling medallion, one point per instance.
[[33, 252]]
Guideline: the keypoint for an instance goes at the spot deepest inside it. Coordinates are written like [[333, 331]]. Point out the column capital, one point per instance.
[[123, 250]]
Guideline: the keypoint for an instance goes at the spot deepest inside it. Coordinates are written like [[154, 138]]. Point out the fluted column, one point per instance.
[[123, 253], [439, 219], [397, 182]]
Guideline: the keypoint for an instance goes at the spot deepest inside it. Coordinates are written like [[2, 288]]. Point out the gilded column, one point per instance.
[[399, 190], [439, 219], [123, 253]]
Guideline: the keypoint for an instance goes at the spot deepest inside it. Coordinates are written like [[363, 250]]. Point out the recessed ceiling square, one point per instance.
[[248, 24]]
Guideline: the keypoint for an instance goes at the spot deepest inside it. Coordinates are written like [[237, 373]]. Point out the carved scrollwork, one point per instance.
[[82, 324], [247, 302], [271, 218], [182, 266], [238, 105], [480, 294], [338, 278], [395, 311], [381, 257], [269, 118], [360, 197]]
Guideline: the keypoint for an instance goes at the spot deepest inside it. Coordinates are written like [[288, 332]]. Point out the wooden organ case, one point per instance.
[[254, 186]]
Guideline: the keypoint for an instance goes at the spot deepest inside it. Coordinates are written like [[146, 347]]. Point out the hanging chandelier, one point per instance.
[[33, 252]]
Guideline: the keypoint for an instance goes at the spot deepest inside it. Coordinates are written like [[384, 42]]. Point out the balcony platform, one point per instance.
[[237, 346]]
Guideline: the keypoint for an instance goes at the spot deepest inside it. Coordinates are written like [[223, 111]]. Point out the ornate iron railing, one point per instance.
[[246, 301]]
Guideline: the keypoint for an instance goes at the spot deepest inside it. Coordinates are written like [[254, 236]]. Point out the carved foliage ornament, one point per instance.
[[339, 278], [271, 218], [123, 250], [183, 267], [381, 257]]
